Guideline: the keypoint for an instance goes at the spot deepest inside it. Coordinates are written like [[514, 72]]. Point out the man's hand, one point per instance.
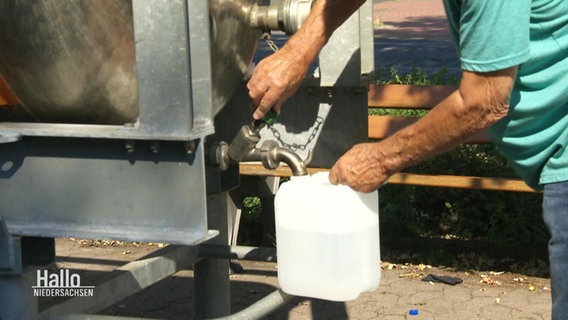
[[275, 79], [359, 168], [278, 76]]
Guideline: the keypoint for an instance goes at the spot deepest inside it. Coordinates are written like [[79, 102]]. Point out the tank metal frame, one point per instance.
[[174, 87]]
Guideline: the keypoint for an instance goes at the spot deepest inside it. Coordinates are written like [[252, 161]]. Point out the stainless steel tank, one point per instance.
[[233, 43], [73, 61]]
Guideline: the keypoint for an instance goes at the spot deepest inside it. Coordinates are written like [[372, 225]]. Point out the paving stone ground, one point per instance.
[[413, 35], [482, 295]]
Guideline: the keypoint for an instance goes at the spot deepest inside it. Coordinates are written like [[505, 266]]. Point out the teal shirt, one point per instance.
[[497, 34]]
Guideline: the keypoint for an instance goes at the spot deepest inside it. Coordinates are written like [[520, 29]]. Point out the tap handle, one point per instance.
[[269, 118]]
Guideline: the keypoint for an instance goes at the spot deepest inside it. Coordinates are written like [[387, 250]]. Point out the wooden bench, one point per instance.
[[380, 127]]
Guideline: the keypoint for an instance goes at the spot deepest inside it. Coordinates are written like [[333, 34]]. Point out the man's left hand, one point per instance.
[[359, 168]]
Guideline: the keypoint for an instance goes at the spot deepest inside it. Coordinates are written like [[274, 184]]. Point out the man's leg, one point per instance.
[[555, 210]]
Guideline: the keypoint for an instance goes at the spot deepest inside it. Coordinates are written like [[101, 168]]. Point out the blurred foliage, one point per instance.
[[416, 76], [497, 216], [251, 228]]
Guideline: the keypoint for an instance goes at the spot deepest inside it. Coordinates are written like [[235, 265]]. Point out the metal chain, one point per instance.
[[319, 121], [268, 39], [295, 146]]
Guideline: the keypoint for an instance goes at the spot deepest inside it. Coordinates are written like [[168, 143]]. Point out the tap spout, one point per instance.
[[272, 154], [243, 148]]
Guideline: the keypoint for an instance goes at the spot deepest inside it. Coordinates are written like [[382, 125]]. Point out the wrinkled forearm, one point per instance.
[[278, 76], [324, 18], [478, 104], [481, 100], [441, 130]]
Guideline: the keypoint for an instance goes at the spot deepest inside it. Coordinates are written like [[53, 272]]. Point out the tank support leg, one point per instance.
[[16, 296], [212, 287]]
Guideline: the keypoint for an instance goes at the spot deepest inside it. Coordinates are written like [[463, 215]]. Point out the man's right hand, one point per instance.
[[275, 79]]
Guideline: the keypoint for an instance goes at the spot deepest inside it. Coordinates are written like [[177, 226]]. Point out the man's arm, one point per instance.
[[278, 76], [481, 100]]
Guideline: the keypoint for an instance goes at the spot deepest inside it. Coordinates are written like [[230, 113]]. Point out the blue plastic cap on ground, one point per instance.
[[413, 312]]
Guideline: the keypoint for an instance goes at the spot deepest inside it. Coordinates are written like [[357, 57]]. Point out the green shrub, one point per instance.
[[251, 229]]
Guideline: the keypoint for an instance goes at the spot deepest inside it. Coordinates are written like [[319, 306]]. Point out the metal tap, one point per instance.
[[243, 148]]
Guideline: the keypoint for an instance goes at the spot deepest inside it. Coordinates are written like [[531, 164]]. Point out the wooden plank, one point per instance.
[[463, 182], [407, 96], [257, 169], [446, 181], [381, 127]]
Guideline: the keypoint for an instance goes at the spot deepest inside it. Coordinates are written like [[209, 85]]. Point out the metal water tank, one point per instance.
[[75, 61]]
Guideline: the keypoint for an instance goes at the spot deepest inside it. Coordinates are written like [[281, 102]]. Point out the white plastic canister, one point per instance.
[[327, 239]]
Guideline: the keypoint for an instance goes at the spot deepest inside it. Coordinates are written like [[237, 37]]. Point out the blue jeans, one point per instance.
[[555, 211]]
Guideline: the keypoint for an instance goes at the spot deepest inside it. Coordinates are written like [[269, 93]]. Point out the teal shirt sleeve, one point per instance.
[[497, 34], [491, 34]]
